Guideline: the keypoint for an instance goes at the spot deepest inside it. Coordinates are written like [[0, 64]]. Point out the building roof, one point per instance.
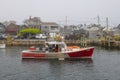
[[49, 23], [6, 23], [33, 21], [2, 25], [107, 29], [93, 28]]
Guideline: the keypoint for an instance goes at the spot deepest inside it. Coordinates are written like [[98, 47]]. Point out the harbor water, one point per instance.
[[104, 65]]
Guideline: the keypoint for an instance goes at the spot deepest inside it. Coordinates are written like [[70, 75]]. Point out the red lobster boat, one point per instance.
[[59, 50]]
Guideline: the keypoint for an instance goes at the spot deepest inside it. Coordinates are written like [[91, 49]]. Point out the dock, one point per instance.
[[101, 43]]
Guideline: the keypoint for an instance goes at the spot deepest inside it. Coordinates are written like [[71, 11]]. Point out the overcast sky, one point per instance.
[[77, 11]]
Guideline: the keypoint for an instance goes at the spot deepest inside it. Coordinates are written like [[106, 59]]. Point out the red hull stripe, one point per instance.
[[33, 55], [83, 53]]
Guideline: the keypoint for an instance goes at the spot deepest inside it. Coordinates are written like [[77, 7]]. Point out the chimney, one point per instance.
[[29, 17]]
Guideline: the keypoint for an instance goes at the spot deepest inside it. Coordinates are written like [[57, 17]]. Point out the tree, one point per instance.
[[29, 31]]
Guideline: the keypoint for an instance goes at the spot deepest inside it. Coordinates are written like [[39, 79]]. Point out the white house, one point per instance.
[[50, 27], [34, 22], [95, 32], [116, 31]]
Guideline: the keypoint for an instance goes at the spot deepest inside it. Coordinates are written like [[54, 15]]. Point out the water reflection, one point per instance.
[[13, 52], [2, 52], [103, 66], [58, 70], [54, 61]]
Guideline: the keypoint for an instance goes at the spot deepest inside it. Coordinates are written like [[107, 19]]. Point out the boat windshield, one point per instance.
[[55, 46]]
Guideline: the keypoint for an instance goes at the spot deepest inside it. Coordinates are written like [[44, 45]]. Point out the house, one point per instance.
[[2, 30], [34, 22], [116, 30], [95, 31], [66, 31], [12, 29], [6, 23], [50, 27], [80, 32], [72, 27], [22, 27]]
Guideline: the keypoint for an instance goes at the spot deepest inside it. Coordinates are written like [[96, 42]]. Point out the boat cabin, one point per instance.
[[55, 46]]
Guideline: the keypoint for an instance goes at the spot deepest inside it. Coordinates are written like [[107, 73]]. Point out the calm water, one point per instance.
[[105, 65]]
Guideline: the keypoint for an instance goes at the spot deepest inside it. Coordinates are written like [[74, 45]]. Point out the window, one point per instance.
[[45, 26], [54, 27]]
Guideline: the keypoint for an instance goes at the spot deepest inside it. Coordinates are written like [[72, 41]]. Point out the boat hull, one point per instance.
[[84, 53]]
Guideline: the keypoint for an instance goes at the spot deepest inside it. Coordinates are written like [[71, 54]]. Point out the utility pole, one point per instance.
[[66, 20], [98, 20], [107, 22], [65, 26], [108, 32]]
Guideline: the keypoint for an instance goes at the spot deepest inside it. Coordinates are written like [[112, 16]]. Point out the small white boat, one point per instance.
[[2, 44]]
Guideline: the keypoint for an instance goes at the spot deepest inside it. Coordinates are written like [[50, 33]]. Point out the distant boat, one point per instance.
[[2, 44]]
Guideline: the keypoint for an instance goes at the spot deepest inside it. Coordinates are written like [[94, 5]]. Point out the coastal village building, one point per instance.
[[74, 27], [22, 27], [6, 23], [116, 30], [2, 30], [46, 27], [34, 22], [12, 29], [108, 31], [69, 29], [80, 32], [74, 31], [66, 31], [50, 27], [95, 31]]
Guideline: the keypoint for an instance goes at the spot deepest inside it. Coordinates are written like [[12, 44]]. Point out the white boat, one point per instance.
[[2, 44]]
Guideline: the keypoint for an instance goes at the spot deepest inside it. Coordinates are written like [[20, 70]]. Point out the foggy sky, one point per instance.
[[77, 11]]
